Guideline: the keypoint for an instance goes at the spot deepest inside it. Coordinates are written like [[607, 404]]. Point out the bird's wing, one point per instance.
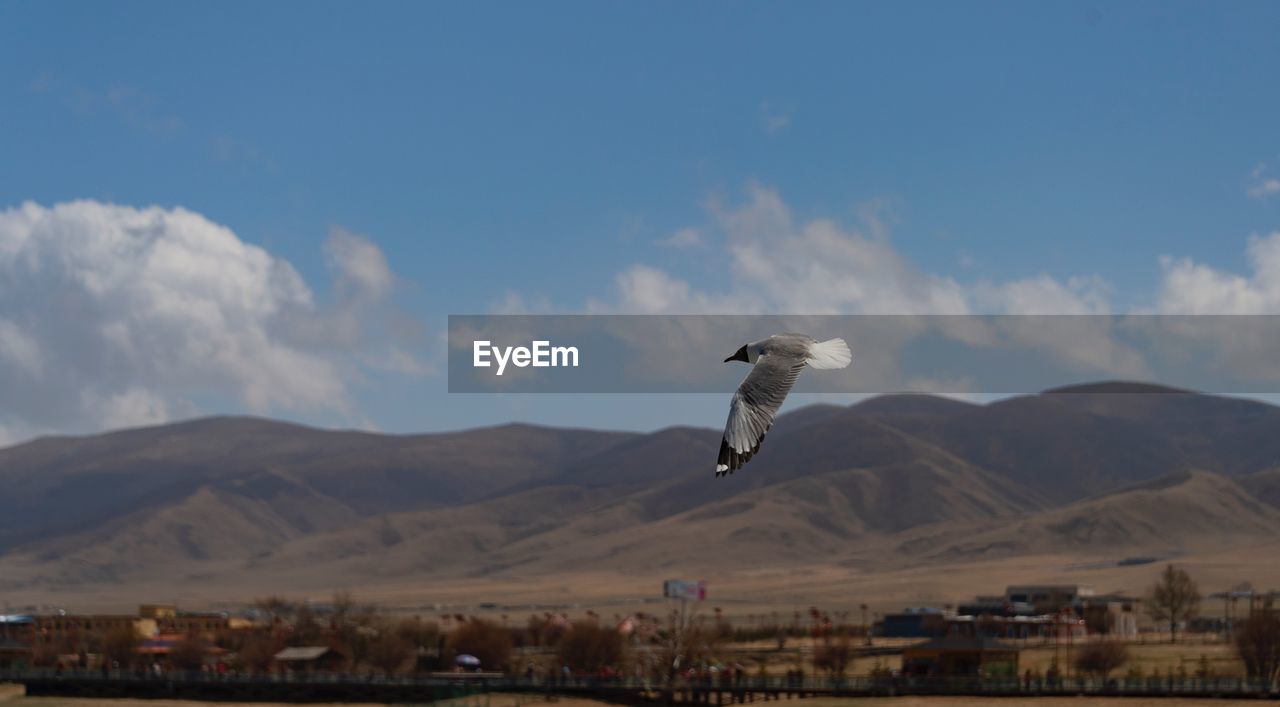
[[753, 408]]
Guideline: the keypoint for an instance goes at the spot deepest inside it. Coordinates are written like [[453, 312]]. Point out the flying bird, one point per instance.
[[777, 361]]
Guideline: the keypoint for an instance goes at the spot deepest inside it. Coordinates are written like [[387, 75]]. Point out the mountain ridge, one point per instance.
[[886, 481]]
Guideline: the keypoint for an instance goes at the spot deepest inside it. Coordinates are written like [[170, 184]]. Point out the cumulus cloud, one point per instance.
[[779, 263], [1242, 346], [362, 269], [114, 315], [643, 289], [1189, 287]]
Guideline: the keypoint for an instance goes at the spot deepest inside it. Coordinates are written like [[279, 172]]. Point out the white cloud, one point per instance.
[[647, 290], [362, 268], [1264, 187], [683, 238], [1238, 347], [18, 349], [1043, 294], [134, 407], [515, 303], [113, 315], [1189, 287], [781, 264]]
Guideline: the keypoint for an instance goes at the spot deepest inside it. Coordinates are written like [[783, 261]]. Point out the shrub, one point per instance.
[[489, 642], [1257, 642], [1101, 657], [589, 646]]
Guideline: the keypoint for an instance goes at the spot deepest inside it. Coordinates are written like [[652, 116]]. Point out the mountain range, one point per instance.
[[227, 505]]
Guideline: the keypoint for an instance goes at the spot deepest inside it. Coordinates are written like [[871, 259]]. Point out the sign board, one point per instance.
[[682, 589]]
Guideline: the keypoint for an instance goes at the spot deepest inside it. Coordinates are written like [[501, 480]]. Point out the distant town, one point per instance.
[[1032, 635]]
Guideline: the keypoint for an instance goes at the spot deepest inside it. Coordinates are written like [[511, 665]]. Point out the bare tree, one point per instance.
[[306, 629], [258, 651], [389, 652], [1101, 657], [120, 646], [590, 646], [424, 636], [491, 643], [545, 630], [44, 653], [1174, 598], [686, 639], [189, 653], [276, 608], [1258, 643], [835, 653]]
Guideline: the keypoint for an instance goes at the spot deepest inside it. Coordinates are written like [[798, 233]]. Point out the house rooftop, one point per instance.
[[303, 653]]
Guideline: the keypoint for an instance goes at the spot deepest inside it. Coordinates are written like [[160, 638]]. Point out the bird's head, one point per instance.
[[739, 355]]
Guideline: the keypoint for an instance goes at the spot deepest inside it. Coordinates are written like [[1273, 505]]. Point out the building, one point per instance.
[[78, 632], [15, 654], [17, 640], [18, 627], [995, 606], [161, 648], [1111, 614], [1047, 598], [919, 622], [75, 630], [960, 656], [1024, 628], [187, 623], [309, 659], [989, 619]]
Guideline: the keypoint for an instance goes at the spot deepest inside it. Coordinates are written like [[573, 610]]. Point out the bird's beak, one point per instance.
[[739, 355]]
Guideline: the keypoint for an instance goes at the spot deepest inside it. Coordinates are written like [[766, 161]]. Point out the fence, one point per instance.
[[340, 687]]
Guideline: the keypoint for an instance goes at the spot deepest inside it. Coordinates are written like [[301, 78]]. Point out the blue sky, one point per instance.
[[536, 151]]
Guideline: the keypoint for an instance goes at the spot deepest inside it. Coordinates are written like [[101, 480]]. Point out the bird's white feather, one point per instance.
[[832, 353]]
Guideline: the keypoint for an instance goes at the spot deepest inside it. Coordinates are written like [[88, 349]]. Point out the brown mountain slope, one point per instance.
[[227, 499], [1264, 486], [1075, 442], [828, 513], [1185, 512], [817, 517], [57, 486]]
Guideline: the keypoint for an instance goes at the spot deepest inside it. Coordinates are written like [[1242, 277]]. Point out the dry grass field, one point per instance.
[[759, 590]]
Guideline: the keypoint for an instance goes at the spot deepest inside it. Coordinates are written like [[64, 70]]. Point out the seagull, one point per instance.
[[777, 361]]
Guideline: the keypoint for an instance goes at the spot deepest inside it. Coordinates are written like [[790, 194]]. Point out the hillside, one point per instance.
[[309, 478], [892, 482], [1183, 513]]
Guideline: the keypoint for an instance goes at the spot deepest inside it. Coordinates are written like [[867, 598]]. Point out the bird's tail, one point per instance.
[[832, 353]]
